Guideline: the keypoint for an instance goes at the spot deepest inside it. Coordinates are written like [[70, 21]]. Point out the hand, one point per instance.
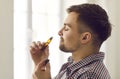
[[36, 52], [42, 70]]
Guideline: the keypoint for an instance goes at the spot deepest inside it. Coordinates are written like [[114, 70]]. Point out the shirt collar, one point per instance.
[[94, 57]]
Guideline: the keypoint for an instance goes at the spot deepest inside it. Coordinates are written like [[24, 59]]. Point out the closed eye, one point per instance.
[[66, 27]]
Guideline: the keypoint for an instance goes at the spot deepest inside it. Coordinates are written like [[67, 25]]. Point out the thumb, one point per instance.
[[42, 64], [48, 66], [47, 51]]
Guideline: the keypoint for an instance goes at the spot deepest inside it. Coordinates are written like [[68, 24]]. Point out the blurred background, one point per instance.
[[24, 21]]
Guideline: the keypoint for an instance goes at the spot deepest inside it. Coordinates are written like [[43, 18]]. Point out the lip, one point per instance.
[[61, 39]]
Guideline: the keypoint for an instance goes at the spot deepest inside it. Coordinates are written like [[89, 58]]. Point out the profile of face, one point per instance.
[[69, 35]]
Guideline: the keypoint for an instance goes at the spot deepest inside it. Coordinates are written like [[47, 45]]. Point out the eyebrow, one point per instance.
[[67, 24]]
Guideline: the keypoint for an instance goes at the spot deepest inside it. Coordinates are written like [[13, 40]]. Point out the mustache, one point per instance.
[[61, 39]]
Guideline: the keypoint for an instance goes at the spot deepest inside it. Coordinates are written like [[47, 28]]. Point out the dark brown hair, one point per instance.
[[95, 18]]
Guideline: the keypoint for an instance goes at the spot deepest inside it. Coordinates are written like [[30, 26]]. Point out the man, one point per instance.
[[85, 29]]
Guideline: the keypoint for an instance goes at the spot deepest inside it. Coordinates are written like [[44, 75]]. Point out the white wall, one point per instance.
[[113, 44], [6, 39]]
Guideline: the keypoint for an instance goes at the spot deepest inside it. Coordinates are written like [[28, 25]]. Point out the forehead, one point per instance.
[[72, 17]]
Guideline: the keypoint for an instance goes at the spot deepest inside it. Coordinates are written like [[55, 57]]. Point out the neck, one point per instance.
[[83, 52]]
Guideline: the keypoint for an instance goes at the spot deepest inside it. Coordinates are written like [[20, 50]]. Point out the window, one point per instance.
[[35, 20]]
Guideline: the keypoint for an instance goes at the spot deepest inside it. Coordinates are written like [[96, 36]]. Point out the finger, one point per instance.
[[48, 66], [39, 44], [32, 50], [47, 51], [43, 45], [44, 65], [34, 45], [41, 65]]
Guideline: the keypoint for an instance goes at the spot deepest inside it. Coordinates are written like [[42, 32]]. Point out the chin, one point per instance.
[[63, 48]]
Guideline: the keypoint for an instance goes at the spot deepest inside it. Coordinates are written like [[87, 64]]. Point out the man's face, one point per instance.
[[69, 35]]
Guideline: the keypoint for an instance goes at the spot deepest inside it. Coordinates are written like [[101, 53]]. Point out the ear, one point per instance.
[[85, 37]]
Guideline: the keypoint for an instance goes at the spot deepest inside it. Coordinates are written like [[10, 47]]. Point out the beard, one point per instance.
[[68, 47], [62, 46]]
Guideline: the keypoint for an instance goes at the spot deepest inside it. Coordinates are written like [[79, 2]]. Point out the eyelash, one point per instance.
[[66, 28]]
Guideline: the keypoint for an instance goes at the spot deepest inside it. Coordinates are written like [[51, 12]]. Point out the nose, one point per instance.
[[60, 33]]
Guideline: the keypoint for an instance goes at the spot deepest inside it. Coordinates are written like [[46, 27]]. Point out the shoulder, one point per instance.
[[94, 71], [93, 75]]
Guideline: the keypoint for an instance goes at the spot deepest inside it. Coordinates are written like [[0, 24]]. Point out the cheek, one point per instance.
[[67, 36], [71, 39]]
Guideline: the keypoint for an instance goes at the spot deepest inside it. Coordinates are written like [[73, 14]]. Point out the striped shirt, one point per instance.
[[91, 67]]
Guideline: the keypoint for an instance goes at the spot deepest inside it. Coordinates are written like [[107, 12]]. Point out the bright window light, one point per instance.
[[37, 20]]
